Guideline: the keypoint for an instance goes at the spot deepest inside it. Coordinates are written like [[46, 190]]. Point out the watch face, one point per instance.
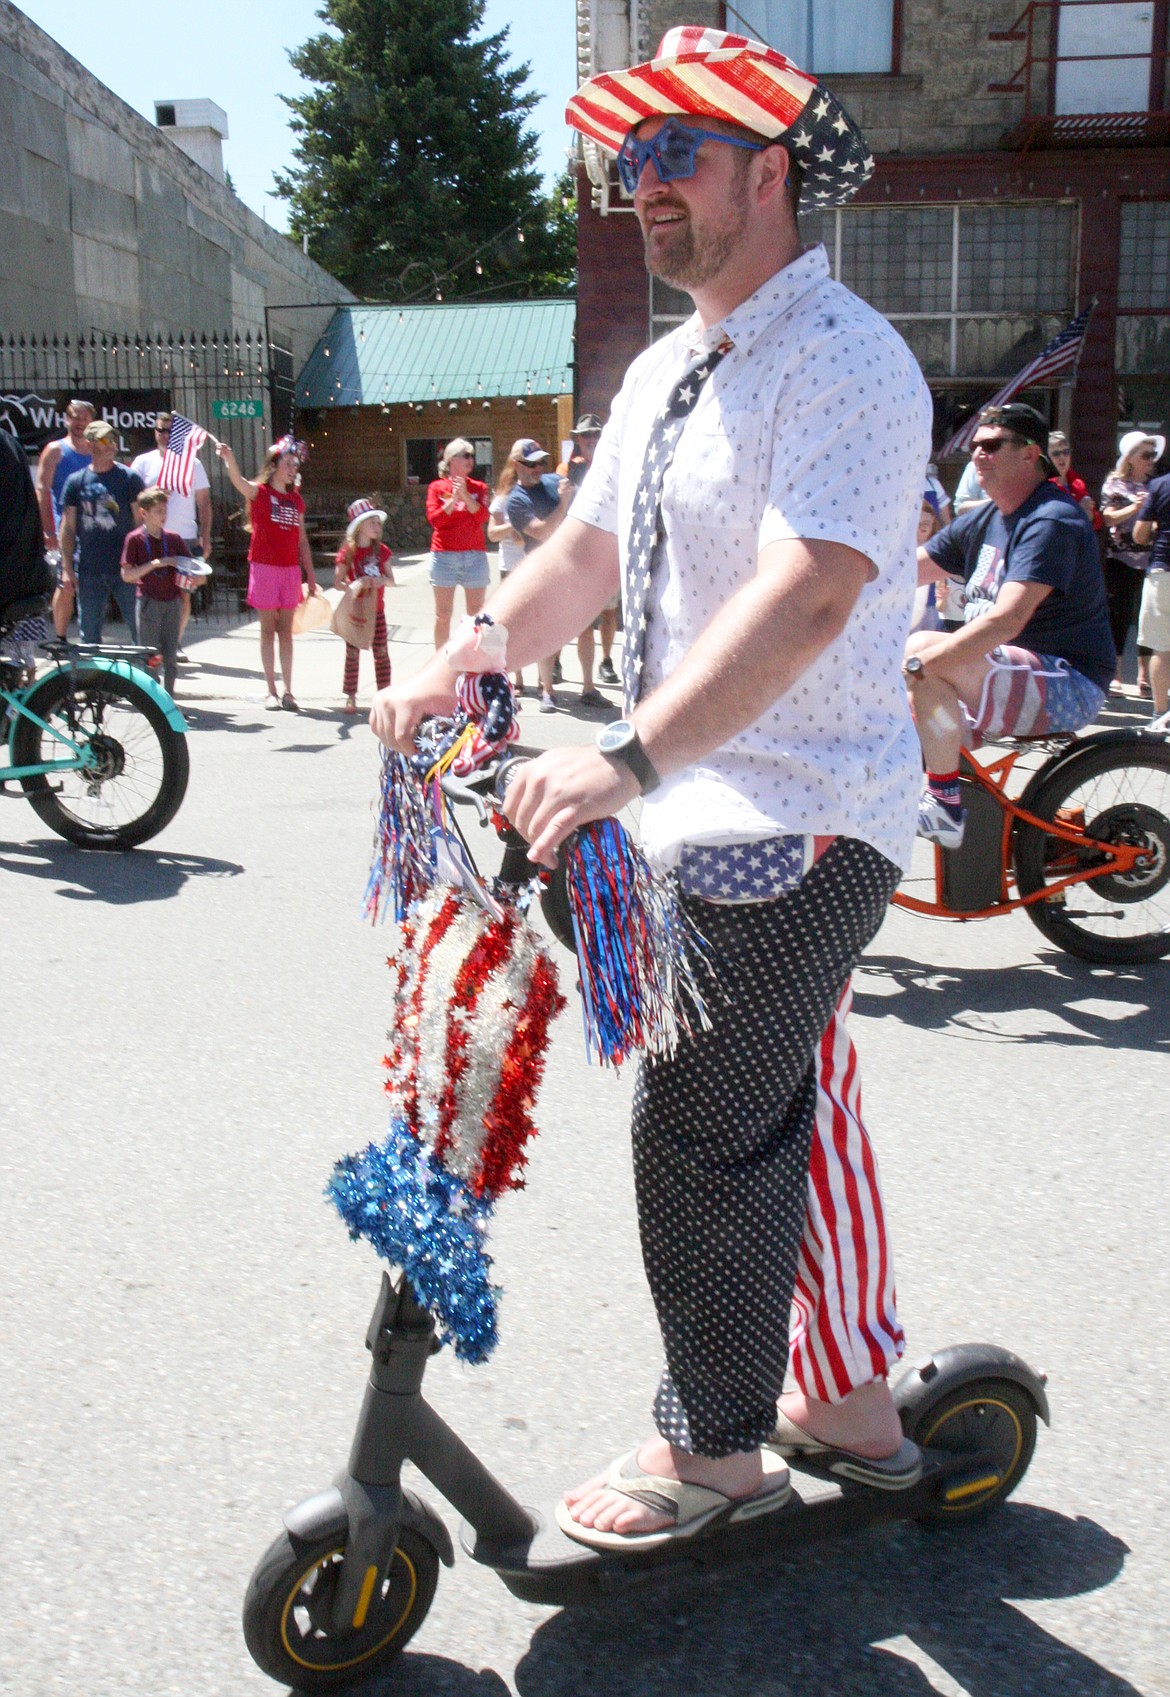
[[611, 739]]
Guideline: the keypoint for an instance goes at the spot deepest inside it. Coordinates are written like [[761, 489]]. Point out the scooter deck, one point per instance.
[[555, 1569]]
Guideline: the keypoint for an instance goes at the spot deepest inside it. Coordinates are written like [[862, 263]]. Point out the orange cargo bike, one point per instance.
[[1083, 848]]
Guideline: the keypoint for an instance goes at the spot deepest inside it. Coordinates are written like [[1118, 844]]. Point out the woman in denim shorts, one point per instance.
[[457, 507]]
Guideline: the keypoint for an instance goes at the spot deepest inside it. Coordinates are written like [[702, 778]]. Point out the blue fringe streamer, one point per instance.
[[423, 1219], [636, 950], [403, 867]]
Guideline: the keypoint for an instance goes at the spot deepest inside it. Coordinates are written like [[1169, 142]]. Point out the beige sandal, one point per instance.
[[895, 1472], [694, 1508]]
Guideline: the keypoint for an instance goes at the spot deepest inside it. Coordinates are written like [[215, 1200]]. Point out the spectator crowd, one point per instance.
[[116, 540]]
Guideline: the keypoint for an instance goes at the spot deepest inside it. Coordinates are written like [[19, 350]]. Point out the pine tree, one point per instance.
[[414, 172]]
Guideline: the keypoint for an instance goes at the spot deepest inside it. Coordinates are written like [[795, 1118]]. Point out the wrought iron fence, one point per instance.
[[131, 378]]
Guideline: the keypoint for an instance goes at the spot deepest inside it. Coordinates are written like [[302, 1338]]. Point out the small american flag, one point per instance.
[[1060, 356], [177, 472]]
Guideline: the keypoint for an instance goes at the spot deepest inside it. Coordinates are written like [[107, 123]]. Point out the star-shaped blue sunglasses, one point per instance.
[[673, 150]]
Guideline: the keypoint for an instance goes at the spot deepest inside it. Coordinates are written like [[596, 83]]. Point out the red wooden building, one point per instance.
[[1023, 170]]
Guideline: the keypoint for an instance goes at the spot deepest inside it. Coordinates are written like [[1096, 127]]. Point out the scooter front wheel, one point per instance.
[[992, 1418], [288, 1612]]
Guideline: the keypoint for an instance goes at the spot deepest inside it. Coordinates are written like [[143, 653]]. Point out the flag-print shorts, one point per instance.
[[1033, 695]]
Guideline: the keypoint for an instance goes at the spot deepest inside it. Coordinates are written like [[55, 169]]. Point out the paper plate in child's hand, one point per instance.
[[193, 568], [314, 613]]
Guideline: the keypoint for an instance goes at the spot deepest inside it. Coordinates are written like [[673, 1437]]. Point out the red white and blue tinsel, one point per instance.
[[404, 859], [473, 1000], [474, 994], [638, 955]]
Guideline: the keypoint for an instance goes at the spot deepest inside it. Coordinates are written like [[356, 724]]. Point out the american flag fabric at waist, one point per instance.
[[744, 872]]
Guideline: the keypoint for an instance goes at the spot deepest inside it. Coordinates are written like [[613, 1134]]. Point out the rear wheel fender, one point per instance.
[[947, 1370]]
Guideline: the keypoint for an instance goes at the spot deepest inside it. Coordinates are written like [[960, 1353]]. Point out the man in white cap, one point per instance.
[[755, 495]]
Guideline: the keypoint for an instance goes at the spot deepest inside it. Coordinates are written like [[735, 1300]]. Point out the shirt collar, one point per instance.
[[745, 323]]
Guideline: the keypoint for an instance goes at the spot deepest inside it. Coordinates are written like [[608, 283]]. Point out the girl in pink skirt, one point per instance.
[[280, 561]]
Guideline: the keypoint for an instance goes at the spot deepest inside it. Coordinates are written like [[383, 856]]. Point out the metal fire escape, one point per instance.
[[1093, 74]]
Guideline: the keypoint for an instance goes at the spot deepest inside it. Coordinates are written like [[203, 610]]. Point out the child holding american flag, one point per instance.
[[278, 558]]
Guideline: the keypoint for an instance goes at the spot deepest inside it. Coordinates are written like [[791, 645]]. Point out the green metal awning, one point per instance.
[[372, 355]]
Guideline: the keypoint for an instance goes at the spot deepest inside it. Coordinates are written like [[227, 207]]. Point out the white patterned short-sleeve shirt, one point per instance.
[[816, 425]]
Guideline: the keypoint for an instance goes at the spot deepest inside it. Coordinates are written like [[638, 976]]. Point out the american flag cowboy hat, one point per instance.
[[707, 73]]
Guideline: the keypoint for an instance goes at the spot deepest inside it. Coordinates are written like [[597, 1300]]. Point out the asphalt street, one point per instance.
[[192, 1035]]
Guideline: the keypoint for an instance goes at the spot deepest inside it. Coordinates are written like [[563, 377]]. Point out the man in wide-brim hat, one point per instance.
[[755, 495]]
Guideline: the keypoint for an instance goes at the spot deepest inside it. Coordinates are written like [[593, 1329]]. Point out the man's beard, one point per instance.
[[688, 258]]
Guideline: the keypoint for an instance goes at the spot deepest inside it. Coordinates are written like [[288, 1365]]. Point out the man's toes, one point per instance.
[[612, 1511], [600, 1510], [623, 1515], [577, 1493]]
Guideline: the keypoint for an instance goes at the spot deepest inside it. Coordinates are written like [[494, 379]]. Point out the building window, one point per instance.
[[668, 308], [1016, 258], [422, 459], [825, 36], [975, 290], [1104, 54], [899, 259], [1144, 271], [1142, 352]]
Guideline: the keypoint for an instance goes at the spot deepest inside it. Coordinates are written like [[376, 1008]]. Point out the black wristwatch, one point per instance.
[[619, 741]]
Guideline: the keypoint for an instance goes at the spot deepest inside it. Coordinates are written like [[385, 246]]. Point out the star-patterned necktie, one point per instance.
[[646, 523]]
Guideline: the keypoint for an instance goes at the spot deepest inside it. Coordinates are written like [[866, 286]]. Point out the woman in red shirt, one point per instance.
[[1060, 453], [457, 507], [279, 556]]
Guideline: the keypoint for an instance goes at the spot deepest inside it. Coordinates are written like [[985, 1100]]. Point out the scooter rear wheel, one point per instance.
[[288, 1624], [992, 1417]]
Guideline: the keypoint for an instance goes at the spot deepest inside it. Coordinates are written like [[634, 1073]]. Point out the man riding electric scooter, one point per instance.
[[754, 495]]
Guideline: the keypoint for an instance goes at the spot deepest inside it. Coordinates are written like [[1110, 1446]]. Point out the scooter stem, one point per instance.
[[396, 1425]]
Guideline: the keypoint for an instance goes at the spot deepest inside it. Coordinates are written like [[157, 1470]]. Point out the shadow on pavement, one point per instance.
[[1059, 1000], [432, 1676], [884, 1615], [122, 879], [191, 673], [202, 718]]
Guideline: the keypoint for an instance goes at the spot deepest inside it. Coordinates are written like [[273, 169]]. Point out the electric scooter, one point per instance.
[[352, 1575]]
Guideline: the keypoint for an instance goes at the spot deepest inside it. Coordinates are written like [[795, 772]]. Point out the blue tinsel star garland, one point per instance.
[[420, 1217]]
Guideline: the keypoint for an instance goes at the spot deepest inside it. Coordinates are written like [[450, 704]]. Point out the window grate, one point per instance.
[[1144, 269], [972, 288]]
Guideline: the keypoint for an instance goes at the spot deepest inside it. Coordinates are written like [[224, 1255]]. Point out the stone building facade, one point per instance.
[[106, 224], [1023, 171]]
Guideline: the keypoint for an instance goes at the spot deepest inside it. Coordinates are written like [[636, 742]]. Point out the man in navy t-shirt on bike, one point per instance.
[[1035, 655]]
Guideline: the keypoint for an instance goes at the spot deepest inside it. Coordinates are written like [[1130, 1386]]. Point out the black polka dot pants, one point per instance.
[[721, 1146]]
